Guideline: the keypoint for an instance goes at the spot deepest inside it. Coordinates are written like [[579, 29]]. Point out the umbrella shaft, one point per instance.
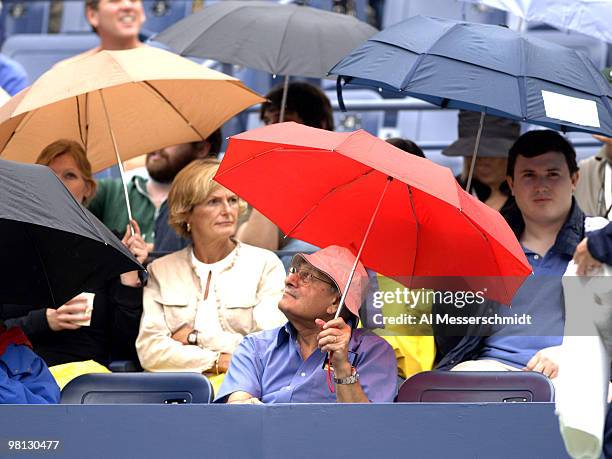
[[281, 117], [365, 238], [476, 145], [119, 163]]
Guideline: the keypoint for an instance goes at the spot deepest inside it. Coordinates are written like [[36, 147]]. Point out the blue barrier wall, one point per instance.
[[455, 431]]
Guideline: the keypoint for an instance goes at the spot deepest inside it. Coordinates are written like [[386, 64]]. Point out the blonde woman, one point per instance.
[[201, 301]]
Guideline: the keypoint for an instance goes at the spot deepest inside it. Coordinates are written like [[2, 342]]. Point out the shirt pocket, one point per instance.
[[179, 313], [239, 316]]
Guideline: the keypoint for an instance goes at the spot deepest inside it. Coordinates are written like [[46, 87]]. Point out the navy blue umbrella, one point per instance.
[[484, 68]]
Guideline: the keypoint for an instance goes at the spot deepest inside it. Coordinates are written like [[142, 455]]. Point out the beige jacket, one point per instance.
[[589, 190], [248, 289]]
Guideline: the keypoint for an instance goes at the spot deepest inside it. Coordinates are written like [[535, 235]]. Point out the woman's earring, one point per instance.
[[189, 227]]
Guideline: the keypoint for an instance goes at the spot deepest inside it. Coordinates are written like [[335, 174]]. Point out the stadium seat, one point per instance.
[[161, 14], [39, 52], [397, 10], [24, 16], [124, 366], [73, 17], [116, 388], [370, 121], [476, 387]]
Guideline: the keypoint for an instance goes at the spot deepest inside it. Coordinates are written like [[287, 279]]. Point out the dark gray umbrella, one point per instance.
[[279, 39], [52, 247]]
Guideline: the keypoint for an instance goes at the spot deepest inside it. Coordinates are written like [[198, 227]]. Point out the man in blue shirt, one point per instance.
[[542, 174], [13, 77], [285, 365]]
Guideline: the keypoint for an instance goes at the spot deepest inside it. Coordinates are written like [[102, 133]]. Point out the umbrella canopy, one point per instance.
[[145, 97], [589, 17], [52, 247], [485, 68], [323, 187], [279, 39]]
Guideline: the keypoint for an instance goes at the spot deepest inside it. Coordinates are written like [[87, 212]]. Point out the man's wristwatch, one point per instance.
[[192, 337], [352, 379]]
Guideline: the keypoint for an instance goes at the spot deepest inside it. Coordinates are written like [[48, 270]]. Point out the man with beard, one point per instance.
[[147, 195]]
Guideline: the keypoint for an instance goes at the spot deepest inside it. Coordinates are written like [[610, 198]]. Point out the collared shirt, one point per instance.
[[109, 206], [541, 297], [268, 365]]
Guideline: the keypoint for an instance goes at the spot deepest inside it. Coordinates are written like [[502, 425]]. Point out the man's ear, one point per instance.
[[333, 307], [92, 17], [574, 178], [203, 150]]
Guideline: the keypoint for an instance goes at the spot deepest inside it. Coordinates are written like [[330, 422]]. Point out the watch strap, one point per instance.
[[352, 379]]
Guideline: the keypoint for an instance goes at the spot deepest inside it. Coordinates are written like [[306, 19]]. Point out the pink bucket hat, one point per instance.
[[337, 262]]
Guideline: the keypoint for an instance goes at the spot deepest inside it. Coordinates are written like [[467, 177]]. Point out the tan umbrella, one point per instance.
[[120, 104]]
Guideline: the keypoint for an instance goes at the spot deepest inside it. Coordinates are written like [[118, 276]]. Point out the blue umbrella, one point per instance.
[[484, 68]]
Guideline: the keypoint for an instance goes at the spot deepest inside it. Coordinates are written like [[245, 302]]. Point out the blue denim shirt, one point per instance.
[[269, 366]]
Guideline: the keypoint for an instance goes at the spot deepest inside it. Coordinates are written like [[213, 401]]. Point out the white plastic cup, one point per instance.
[[89, 298]]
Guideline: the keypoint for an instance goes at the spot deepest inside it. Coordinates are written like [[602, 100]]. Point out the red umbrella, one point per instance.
[[406, 215]]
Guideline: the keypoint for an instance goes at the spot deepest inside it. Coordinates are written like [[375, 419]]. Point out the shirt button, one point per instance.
[[536, 257], [303, 374]]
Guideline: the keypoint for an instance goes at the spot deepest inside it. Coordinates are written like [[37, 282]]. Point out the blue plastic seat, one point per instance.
[[117, 388], [370, 121], [476, 387], [24, 16], [161, 14], [39, 52], [73, 18]]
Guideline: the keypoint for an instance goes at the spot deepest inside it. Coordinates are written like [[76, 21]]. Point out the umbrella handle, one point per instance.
[[475, 153], [339, 94]]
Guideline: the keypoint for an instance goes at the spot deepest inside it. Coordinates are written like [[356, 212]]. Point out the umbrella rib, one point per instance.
[[521, 81], [271, 150], [469, 63], [154, 89], [486, 238], [86, 119], [418, 228], [42, 264], [28, 115], [280, 48], [327, 195], [78, 109]]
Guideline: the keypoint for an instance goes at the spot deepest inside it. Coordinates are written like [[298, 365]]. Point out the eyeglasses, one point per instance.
[[305, 276]]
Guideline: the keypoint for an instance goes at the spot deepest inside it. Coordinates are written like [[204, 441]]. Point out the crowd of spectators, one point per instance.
[[217, 299]]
